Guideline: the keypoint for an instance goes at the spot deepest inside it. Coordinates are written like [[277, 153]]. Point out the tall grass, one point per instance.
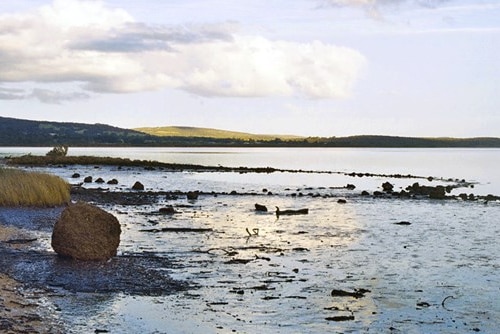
[[20, 188]]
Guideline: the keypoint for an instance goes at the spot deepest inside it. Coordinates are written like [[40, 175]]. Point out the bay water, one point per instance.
[[258, 273]]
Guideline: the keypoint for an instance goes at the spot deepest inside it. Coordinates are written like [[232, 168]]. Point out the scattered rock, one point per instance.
[[168, 210], [138, 186], [192, 195], [437, 192], [75, 176], [113, 181], [88, 179], [260, 207], [85, 232], [387, 187], [99, 180], [341, 201]]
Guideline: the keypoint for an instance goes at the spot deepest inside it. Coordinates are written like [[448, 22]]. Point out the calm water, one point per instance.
[[477, 165], [294, 262]]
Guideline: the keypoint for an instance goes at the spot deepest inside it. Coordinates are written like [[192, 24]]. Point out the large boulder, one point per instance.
[[85, 232]]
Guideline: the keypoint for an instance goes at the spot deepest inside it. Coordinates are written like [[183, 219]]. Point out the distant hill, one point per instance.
[[186, 131], [19, 132]]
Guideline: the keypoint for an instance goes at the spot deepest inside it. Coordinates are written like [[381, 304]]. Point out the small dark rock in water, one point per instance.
[[113, 181], [99, 180], [138, 186], [350, 186], [88, 179], [75, 176], [365, 193], [86, 232], [260, 207], [192, 195], [387, 187], [342, 201], [168, 210], [403, 223], [438, 192]]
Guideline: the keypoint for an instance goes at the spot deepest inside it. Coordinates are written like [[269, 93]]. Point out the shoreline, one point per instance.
[[21, 309], [30, 301]]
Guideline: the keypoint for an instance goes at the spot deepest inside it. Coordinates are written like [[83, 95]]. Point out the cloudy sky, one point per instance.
[[305, 67]]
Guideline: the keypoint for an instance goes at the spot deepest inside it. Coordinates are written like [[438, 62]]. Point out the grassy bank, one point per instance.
[[19, 188]]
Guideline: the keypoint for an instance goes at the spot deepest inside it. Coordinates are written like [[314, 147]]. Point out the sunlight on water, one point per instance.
[[256, 273]]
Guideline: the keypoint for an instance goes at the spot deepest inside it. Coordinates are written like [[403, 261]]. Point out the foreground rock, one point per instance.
[[85, 232]]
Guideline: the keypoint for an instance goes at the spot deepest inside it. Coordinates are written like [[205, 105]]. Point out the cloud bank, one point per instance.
[[104, 50]]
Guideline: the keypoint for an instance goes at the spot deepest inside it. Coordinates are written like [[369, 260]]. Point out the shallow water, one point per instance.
[[293, 263]]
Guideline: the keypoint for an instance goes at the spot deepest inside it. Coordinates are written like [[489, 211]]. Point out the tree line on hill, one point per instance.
[[18, 132]]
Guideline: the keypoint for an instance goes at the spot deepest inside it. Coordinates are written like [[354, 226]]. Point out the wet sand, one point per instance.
[[21, 308], [287, 267]]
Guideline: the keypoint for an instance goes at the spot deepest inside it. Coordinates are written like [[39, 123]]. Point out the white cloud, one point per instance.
[[104, 50]]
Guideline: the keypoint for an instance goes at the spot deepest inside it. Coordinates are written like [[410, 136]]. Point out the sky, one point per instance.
[[423, 68]]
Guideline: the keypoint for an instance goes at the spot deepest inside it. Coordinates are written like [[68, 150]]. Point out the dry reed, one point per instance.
[[20, 188]]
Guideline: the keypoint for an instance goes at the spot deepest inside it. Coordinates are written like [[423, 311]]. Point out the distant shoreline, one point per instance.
[[28, 133]]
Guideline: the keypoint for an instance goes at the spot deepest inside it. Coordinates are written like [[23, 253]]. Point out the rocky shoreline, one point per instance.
[[28, 274]]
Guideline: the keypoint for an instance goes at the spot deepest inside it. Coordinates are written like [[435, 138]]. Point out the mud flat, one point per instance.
[[382, 262]]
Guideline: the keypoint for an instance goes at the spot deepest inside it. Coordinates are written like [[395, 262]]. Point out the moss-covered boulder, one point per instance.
[[86, 232]]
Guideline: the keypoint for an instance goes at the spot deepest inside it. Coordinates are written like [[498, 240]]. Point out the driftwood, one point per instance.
[[402, 223], [178, 229], [291, 212], [20, 241], [340, 318], [357, 293]]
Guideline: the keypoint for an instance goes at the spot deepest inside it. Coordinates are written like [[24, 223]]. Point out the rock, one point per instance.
[[138, 186], [99, 180], [260, 207], [365, 193], [113, 181], [350, 186], [168, 210], [85, 232], [387, 187], [88, 179], [438, 192], [75, 176], [341, 201], [192, 195]]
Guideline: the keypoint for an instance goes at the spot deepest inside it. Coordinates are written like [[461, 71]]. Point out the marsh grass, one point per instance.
[[20, 188]]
